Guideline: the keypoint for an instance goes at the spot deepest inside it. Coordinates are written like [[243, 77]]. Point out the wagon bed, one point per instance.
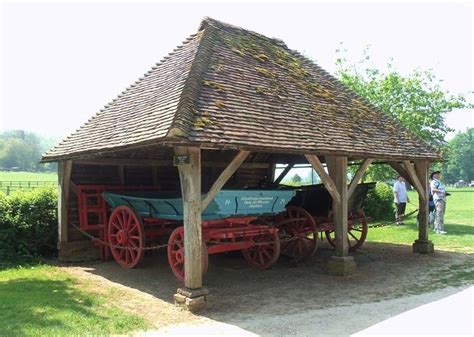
[[226, 204]]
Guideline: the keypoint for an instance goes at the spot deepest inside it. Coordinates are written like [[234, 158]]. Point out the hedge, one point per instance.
[[28, 225], [379, 204]]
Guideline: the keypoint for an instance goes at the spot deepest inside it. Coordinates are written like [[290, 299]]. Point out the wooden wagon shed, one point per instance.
[[222, 110]]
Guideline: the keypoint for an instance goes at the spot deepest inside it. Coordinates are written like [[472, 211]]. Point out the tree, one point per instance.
[[296, 178], [22, 150], [459, 164], [416, 101]]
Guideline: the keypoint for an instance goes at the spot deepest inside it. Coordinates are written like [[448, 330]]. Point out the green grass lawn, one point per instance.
[[459, 223], [27, 176], [45, 301]]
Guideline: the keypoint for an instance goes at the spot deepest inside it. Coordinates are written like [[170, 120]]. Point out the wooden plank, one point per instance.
[[401, 171], [156, 162], [224, 176], [340, 210], [360, 172], [284, 173], [327, 181], [190, 178], [64, 177], [421, 168], [414, 178]]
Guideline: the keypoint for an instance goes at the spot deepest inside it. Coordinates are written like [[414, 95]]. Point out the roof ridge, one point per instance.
[[208, 21]]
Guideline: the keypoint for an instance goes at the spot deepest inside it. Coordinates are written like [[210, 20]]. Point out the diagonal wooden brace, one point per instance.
[[325, 178]]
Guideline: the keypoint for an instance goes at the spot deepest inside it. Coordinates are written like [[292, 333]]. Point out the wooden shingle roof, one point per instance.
[[226, 87]]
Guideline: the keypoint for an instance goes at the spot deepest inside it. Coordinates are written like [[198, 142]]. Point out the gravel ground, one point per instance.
[[289, 299]]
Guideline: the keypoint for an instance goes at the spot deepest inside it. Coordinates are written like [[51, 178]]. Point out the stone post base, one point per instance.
[[341, 266], [423, 247], [191, 299]]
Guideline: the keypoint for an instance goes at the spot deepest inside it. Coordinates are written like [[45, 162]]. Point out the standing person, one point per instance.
[[400, 198], [439, 197]]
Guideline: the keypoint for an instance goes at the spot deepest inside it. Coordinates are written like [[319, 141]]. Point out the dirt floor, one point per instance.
[[283, 300]]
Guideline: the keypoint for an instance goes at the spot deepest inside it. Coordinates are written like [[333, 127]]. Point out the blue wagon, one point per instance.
[[230, 222]]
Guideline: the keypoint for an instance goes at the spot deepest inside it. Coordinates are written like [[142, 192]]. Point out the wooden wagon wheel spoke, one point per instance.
[[356, 235], [263, 256], [300, 228], [176, 254], [122, 219]]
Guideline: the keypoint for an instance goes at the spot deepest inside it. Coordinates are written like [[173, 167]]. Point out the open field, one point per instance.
[[27, 176], [459, 223]]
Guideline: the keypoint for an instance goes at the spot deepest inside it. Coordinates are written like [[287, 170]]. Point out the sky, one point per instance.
[[61, 62]]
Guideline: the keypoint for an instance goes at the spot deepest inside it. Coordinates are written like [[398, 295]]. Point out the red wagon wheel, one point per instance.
[[264, 255], [356, 234], [126, 236], [176, 254], [299, 228]]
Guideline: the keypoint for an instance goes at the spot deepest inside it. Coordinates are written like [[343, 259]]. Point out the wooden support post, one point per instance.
[[154, 176], [360, 172], [422, 192], [190, 178], [64, 177], [325, 178], [121, 174], [284, 173], [340, 211], [225, 175], [341, 263], [422, 244]]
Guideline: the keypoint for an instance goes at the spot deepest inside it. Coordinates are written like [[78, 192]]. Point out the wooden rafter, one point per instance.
[[360, 172], [325, 178], [284, 173], [224, 176]]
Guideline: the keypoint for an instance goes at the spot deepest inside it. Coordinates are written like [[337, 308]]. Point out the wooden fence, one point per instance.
[[8, 187]]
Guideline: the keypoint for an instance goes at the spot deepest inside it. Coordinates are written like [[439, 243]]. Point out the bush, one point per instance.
[[379, 203], [28, 224]]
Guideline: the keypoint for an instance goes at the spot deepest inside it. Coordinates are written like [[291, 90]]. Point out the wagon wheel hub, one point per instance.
[[122, 237]]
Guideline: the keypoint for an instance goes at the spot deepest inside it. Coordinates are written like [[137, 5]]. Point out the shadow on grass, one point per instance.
[[25, 307], [458, 229], [46, 307]]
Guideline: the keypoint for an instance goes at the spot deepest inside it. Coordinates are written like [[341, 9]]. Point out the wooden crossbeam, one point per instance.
[[325, 178], [157, 163], [360, 172], [414, 178], [284, 173], [224, 176]]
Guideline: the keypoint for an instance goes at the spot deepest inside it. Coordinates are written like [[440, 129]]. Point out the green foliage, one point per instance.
[[28, 224], [460, 158], [379, 203], [296, 178], [21, 150], [416, 101]]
